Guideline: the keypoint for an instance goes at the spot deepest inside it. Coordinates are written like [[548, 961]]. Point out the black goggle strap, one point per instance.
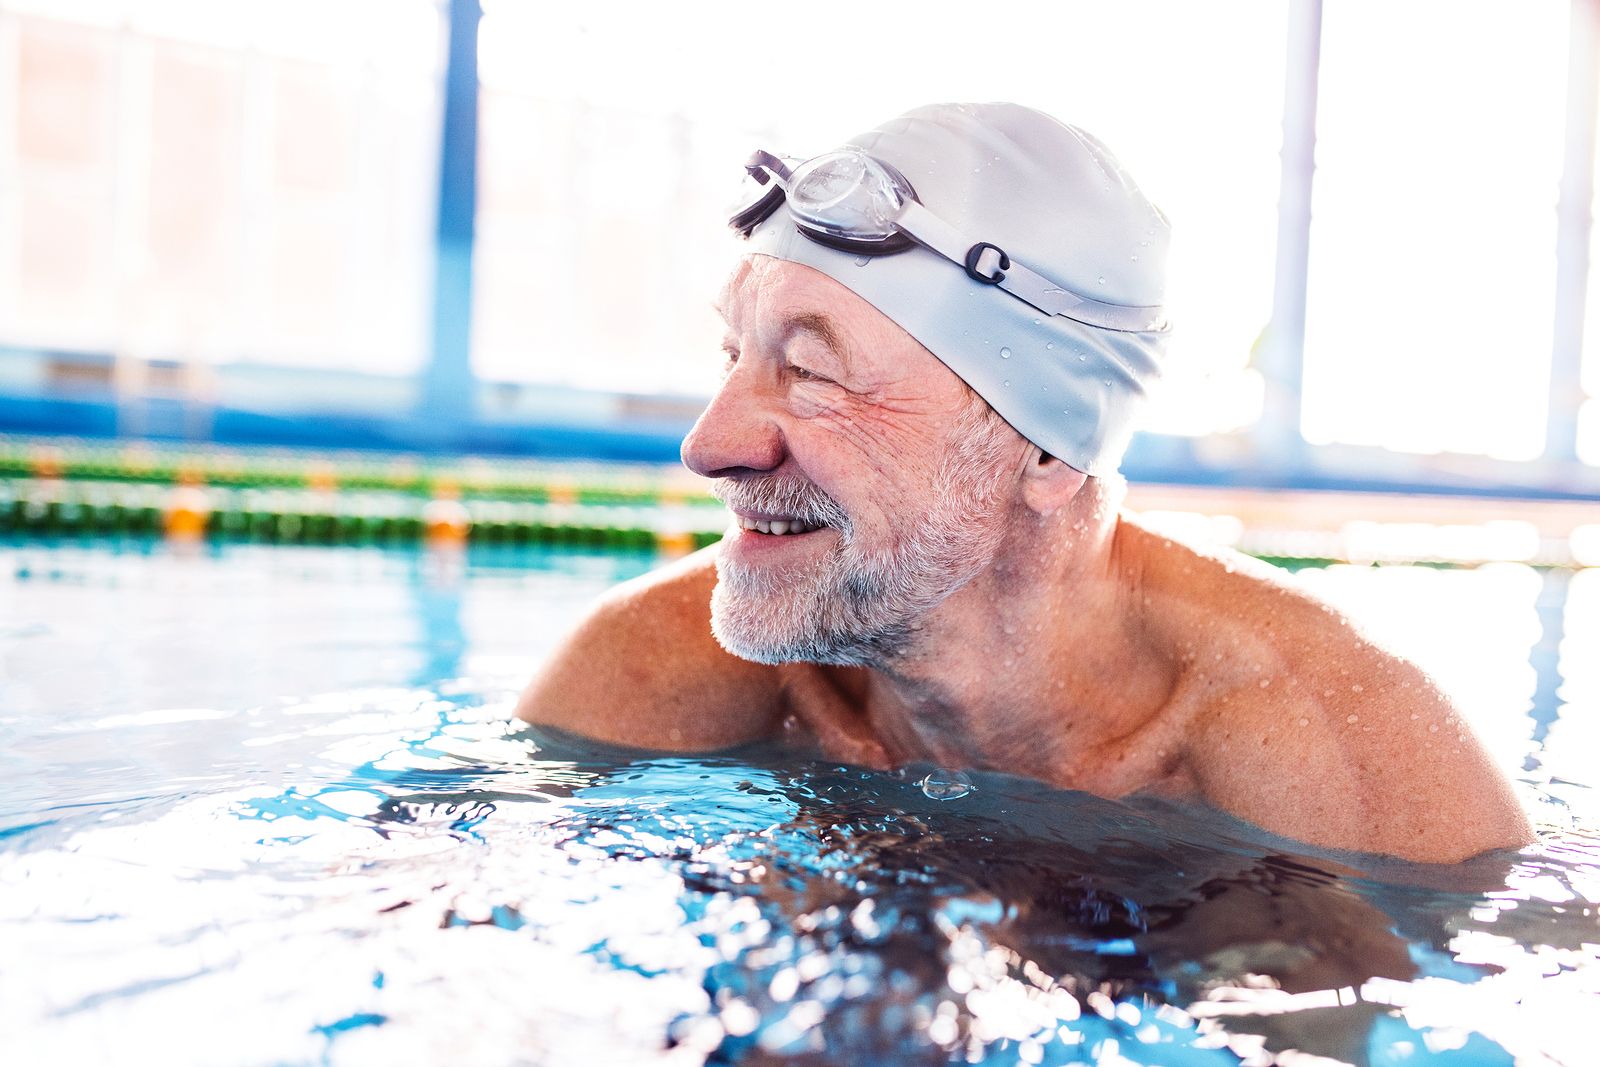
[[991, 265]]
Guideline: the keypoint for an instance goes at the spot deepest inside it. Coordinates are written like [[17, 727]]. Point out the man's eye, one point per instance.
[[730, 356], [805, 375]]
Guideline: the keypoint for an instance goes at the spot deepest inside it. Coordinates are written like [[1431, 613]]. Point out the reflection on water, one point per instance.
[[366, 872]]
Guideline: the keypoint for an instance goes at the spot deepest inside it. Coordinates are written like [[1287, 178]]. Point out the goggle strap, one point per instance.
[[760, 161], [1021, 282]]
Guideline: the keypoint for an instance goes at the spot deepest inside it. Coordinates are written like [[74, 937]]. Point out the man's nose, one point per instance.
[[737, 432]]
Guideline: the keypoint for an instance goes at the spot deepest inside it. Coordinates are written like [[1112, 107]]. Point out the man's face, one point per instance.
[[867, 482]]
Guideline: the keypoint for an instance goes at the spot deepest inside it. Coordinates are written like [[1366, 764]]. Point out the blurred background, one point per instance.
[[488, 228]]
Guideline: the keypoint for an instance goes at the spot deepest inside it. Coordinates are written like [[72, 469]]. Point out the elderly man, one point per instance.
[[935, 348]]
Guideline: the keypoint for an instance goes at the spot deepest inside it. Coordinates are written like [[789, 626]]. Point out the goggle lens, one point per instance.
[[849, 194]]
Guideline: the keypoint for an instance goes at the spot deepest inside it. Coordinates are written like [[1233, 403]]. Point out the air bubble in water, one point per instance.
[[946, 785]]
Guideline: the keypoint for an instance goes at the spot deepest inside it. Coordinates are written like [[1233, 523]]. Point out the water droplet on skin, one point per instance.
[[1433, 728], [1355, 688], [945, 785], [1005, 353], [1352, 719], [1265, 682], [1305, 722]]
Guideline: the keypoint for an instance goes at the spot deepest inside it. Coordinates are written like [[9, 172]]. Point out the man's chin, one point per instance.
[[773, 629], [745, 630]]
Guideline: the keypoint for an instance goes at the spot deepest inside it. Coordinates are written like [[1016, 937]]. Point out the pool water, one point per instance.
[[265, 806]]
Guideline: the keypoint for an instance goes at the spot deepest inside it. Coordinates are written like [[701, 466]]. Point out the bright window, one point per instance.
[[1431, 288], [212, 180]]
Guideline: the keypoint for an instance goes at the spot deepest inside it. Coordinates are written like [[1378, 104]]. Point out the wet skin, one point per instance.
[[1079, 648]]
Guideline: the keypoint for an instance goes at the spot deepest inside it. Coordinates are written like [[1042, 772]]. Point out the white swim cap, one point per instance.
[[1051, 197]]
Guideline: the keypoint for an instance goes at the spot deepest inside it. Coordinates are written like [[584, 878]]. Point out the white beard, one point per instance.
[[857, 607]]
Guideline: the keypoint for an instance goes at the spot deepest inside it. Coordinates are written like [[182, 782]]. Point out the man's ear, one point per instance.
[[1048, 484]]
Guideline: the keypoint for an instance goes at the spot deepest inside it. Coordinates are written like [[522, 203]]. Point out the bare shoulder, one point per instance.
[[642, 668], [1300, 723]]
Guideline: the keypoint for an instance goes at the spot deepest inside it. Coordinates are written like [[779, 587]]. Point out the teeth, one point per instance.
[[777, 526]]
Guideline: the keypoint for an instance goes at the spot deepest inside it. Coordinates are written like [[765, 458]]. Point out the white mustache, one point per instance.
[[782, 496]]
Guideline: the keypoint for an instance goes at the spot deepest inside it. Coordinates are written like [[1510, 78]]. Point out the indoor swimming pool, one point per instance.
[[265, 805]]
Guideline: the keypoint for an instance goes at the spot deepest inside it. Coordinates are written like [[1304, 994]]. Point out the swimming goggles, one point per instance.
[[856, 203]]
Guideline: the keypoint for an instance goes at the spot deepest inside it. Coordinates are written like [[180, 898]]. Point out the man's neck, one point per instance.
[[1035, 663]]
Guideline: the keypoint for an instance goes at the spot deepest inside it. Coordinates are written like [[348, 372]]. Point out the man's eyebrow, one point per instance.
[[819, 326]]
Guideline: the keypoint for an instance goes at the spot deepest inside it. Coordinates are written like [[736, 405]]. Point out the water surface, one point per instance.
[[263, 806]]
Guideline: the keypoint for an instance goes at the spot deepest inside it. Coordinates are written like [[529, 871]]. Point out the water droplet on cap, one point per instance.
[[1006, 384], [1102, 279], [1082, 358], [1049, 344], [1005, 353], [945, 785]]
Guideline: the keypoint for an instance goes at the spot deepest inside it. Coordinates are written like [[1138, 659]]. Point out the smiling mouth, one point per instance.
[[776, 527]]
